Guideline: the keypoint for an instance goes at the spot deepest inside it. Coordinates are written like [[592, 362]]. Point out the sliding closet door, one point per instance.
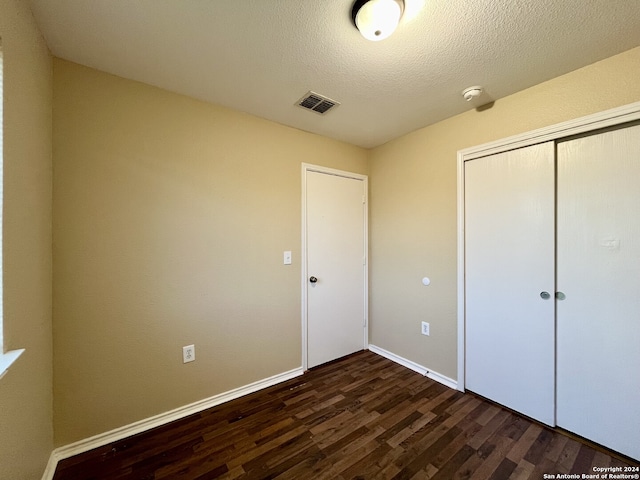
[[598, 391], [509, 279]]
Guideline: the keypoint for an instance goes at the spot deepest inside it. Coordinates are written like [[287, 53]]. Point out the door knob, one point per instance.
[[545, 295], [313, 279], [560, 296]]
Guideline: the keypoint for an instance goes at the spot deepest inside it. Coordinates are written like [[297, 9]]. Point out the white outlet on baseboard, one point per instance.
[[188, 353], [425, 328]]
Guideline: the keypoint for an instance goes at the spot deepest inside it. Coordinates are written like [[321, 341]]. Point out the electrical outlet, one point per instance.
[[425, 328], [188, 353]]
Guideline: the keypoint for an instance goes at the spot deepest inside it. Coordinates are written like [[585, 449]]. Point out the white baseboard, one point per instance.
[[449, 382], [159, 420], [50, 471]]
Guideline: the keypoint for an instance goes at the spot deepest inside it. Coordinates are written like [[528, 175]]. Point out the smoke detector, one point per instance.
[[471, 93]]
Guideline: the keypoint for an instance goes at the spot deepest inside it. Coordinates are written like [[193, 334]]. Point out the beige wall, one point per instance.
[[26, 435], [413, 204], [170, 220]]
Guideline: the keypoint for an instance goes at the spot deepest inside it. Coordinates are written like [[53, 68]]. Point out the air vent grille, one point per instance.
[[317, 103]]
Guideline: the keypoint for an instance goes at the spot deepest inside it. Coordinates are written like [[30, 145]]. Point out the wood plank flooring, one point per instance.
[[361, 417]]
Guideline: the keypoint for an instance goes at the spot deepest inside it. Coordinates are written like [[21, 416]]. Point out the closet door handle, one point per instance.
[[545, 295], [560, 296]]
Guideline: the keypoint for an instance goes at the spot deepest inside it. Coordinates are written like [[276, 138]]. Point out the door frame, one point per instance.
[[607, 118], [306, 168]]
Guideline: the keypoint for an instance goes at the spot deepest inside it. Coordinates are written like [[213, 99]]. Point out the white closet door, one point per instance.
[[509, 262], [598, 390]]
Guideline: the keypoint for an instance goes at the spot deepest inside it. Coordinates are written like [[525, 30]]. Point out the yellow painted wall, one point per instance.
[[170, 221], [26, 434], [413, 204]]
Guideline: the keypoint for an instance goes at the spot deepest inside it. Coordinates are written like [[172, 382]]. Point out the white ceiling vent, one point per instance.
[[317, 103]]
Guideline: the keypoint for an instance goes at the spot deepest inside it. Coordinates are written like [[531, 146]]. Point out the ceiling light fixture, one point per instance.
[[377, 19]]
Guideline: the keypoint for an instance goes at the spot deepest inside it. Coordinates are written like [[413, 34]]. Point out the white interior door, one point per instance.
[[336, 258], [509, 262], [598, 384]]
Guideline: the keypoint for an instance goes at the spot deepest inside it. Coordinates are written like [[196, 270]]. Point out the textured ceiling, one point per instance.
[[261, 56]]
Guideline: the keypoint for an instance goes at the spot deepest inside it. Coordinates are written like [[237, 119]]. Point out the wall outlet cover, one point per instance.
[[425, 328], [188, 353]]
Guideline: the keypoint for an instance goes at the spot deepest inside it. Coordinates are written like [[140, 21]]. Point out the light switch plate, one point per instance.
[[287, 258]]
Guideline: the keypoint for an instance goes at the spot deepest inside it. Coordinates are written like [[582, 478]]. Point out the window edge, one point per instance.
[[7, 359]]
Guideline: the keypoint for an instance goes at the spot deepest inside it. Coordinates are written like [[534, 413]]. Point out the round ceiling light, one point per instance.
[[377, 19]]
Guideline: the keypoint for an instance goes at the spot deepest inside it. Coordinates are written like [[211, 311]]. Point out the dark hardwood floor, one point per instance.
[[360, 417]]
